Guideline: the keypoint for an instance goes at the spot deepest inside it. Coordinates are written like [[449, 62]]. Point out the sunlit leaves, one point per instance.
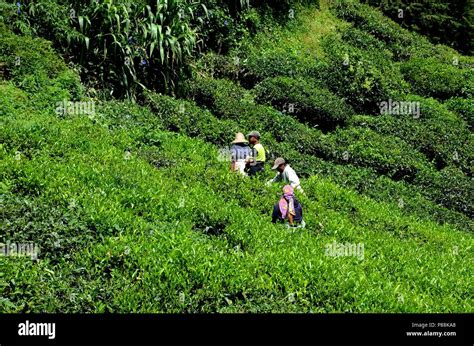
[[123, 36]]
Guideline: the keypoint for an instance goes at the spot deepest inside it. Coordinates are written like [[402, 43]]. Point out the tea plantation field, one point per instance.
[[134, 209]]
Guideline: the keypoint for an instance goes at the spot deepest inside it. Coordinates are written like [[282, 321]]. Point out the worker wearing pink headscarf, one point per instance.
[[288, 208]]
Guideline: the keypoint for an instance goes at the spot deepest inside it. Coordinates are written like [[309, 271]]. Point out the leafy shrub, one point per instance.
[[362, 147], [463, 107], [23, 56], [433, 79], [218, 66], [402, 43], [441, 136], [259, 64], [184, 117], [300, 98], [10, 15], [362, 78], [59, 230], [365, 41], [444, 140], [409, 197], [227, 25], [229, 101], [12, 99], [441, 21], [50, 20], [450, 187], [33, 66]]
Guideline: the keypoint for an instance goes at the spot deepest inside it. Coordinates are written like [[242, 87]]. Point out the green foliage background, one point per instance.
[[448, 22], [133, 209]]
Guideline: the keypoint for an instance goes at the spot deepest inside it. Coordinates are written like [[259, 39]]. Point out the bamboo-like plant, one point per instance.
[[124, 45], [145, 41]]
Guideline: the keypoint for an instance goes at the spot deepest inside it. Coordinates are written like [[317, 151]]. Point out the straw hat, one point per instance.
[[239, 138]]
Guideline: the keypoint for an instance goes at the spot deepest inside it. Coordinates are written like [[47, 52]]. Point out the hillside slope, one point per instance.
[[135, 212]]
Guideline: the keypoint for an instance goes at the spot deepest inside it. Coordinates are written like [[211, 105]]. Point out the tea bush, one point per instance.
[[229, 101], [407, 197], [441, 21], [463, 107], [12, 99], [258, 64], [365, 41], [437, 133], [33, 65], [300, 98], [184, 117], [218, 66], [362, 78], [363, 147], [432, 79], [401, 42]]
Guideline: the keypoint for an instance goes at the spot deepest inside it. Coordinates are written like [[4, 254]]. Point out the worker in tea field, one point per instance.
[[256, 162], [288, 209], [285, 174], [240, 153]]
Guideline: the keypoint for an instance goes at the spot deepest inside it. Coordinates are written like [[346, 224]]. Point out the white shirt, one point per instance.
[[288, 176]]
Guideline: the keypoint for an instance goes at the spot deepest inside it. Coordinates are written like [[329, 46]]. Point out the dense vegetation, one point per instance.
[[133, 207], [449, 21]]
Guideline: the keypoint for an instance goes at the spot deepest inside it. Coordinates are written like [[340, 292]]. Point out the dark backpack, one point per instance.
[[298, 210]]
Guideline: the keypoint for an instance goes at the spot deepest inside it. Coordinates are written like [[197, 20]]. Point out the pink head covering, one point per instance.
[[288, 194]]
